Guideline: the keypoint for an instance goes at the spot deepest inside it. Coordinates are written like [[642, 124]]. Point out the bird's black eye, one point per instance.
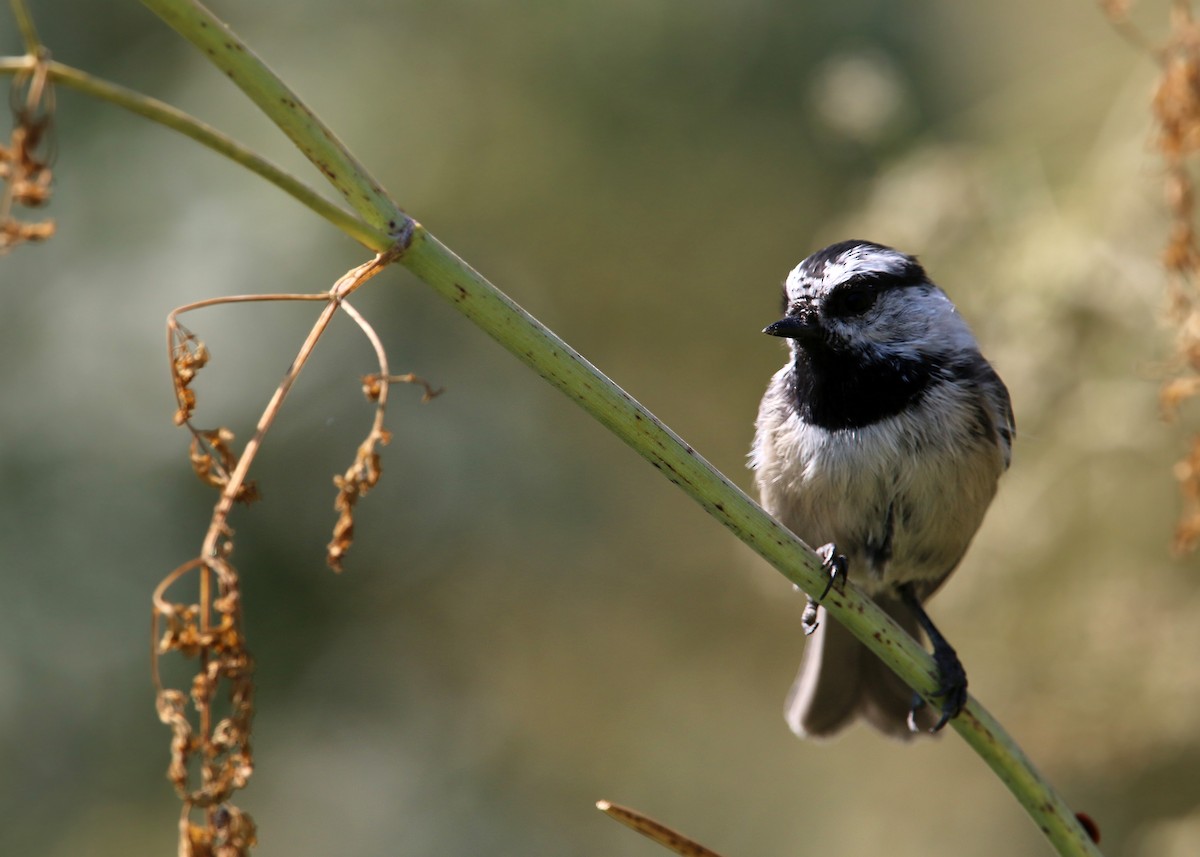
[[851, 300]]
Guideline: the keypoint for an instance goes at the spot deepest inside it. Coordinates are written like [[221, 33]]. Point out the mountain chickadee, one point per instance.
[[884, 435]]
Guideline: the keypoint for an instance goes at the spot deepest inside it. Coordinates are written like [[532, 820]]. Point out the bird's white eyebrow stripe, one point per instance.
[[861, 261], [888, 268]]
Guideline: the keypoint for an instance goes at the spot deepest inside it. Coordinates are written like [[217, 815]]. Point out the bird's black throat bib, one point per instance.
[[847, 389]]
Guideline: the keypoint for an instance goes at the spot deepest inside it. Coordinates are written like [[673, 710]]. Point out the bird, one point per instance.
[[882, 439]]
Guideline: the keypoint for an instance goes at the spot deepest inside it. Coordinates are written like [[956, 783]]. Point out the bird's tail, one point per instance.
[[840, 680]]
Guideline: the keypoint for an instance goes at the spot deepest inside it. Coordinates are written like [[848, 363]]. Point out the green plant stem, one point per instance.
[[29, 36], [562, 366], [206, 135], [312, 137]]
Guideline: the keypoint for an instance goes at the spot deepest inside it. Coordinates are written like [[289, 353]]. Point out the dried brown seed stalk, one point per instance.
[[1176, 110], [210, 758], [364, 473]]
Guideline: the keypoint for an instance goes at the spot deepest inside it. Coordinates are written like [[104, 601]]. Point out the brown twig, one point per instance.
[[670, 839]]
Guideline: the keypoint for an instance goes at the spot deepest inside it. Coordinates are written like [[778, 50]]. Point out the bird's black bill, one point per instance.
[[792, 327]]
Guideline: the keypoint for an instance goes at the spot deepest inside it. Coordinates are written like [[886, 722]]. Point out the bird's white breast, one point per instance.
[[932, 468]]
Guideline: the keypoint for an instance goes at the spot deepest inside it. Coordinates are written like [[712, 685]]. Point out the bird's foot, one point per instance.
[[952, 683], [835, 566]]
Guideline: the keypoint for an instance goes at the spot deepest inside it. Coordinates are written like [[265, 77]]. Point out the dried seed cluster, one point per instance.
[[25, 162], [364, 473]]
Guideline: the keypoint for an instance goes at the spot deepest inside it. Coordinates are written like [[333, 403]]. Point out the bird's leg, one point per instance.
[[835, 565], [809, 620], [952, 678]]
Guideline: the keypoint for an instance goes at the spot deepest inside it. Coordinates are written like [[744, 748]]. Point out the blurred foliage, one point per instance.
[[531, 619]]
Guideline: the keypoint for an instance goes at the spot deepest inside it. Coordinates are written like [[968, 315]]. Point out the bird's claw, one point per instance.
[[835, 565]]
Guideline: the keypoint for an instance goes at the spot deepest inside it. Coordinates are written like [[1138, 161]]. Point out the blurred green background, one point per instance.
[[531, 618]]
